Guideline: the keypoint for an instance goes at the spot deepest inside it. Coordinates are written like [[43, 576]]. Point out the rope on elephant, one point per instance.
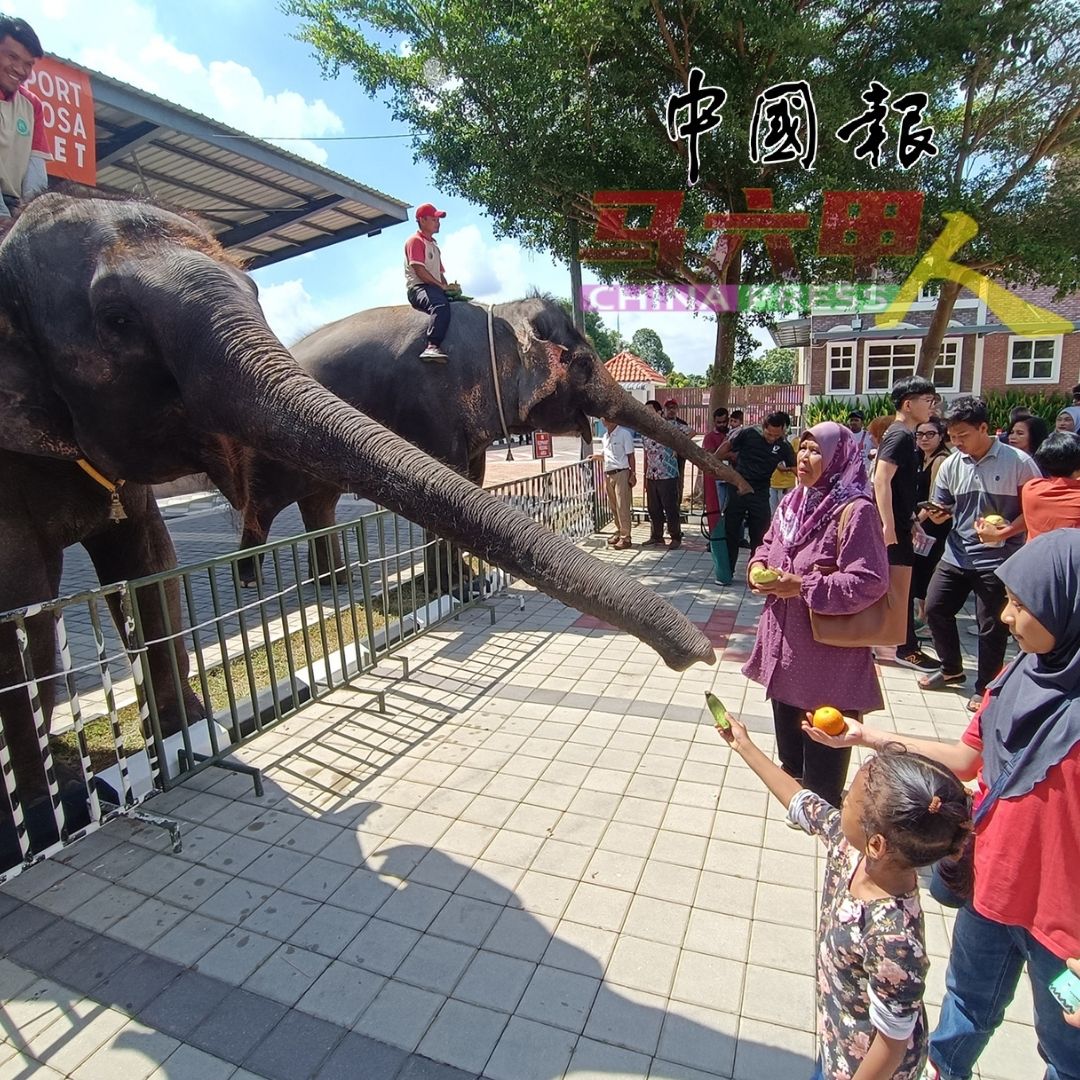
[[495, 379]]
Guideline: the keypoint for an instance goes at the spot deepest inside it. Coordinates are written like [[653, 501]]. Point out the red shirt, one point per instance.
[[1049, 503], [712, 442], [1027, 872]]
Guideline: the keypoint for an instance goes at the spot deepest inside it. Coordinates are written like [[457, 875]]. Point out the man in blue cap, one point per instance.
[[425, 281]]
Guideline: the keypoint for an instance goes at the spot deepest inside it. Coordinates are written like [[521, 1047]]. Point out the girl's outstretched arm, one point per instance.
[[784, 787]]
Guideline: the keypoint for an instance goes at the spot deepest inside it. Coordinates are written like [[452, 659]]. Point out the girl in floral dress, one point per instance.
[[901, 812]]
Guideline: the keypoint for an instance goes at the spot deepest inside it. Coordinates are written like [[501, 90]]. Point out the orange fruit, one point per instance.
[[830, 721]]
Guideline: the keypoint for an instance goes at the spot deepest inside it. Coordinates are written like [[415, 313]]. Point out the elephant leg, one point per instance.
[[318, 509], [135, 548], [256, 530], [30, 574]]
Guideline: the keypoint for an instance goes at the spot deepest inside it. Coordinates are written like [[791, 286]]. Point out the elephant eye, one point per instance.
[[116, 321]]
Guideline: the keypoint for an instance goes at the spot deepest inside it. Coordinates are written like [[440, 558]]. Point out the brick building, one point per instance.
[[843, 355]]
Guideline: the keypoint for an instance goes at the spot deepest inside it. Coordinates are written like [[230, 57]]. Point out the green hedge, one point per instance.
[[1000, 403]]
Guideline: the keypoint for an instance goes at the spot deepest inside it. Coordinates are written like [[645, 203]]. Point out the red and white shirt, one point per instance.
[[22, 134], [422, 249]]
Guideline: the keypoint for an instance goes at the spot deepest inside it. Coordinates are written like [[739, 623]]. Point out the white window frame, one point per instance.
[[1055, 374], [954, 387], [836, 346], [894, 342]]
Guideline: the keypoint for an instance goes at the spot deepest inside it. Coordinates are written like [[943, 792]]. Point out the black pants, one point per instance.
[[903, 554], [663, 500], [435, 303], [754, 510], [949, 590], [820, 768]]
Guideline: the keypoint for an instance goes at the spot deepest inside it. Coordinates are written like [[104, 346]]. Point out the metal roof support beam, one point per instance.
[[275, 219], [125, 141], [242, 205], [361, 229]]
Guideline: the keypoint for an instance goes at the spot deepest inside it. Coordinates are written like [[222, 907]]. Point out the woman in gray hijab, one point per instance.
[[1024, 747]]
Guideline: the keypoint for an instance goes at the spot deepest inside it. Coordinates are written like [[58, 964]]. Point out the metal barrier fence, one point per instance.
[[97, 720]]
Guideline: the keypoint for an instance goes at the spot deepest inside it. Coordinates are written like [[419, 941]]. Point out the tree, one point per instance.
[[772, 366], [528, 109], [1010, 143], [646, 343], [605, 341]]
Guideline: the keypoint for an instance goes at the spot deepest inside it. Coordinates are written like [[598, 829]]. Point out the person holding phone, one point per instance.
[[1023, 746], [932, 444]]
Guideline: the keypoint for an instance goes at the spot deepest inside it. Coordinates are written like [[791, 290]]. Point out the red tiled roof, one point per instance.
[[625, 367]]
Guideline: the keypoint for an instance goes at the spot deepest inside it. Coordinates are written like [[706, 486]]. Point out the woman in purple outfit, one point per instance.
[[833, 575]]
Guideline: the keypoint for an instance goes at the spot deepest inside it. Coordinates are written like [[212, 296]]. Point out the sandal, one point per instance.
[[974, 703], [939, 680]]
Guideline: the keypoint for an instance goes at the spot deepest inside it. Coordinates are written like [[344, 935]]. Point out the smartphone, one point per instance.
[[933, 508], [1066, 988], [719, 713]]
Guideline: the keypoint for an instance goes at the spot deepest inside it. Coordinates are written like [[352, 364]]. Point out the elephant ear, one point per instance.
[[33, 418]]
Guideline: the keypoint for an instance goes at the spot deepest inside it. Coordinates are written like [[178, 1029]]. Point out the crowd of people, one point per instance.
[[940, 508]]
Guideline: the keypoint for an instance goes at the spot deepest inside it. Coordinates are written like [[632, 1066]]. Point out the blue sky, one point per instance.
[[237, 61]]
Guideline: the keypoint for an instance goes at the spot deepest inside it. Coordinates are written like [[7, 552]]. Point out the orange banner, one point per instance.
[[68, 105]]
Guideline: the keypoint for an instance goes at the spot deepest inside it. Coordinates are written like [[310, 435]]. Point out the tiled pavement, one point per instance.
[[540, 863]]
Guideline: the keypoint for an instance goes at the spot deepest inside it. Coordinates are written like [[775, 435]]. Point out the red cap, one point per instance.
[[670, 401], [427, 210]]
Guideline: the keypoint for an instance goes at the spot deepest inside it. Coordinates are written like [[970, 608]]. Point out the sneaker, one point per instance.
[[434, 355], [918, 661], [675, 544]]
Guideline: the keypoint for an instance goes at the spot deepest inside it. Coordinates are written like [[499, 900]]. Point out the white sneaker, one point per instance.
[[434, 355]]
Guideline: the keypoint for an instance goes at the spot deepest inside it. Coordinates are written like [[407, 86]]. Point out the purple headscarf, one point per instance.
[[843, 478], [1032, 720]]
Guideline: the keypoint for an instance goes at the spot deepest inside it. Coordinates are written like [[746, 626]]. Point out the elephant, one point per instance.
[[550, 379], [132, 343]]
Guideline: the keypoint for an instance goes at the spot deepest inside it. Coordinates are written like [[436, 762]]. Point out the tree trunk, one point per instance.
[[726, 330], [575, 279], [935, 333]]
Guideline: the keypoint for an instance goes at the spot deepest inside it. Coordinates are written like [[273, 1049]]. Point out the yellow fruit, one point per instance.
[[830, 721], [763, 575], [994, 519]]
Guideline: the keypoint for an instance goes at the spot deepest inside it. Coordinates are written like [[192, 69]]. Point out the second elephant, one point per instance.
[[549, 379]]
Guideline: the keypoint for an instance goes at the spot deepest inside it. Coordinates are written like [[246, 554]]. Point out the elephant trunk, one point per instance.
[[260, 396], [613, 403]]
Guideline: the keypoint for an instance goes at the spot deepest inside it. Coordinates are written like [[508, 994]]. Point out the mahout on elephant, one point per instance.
[[130, 340], [549, 378]]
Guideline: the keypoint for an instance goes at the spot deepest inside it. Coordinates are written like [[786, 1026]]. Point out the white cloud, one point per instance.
[[220, 88], [293, 313]]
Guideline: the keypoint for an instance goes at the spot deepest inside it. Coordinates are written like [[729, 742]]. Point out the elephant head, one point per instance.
[[129, 338], [563, 382]]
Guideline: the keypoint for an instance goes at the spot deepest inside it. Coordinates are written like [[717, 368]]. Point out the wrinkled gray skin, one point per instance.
[[129, 339], [550, 379]]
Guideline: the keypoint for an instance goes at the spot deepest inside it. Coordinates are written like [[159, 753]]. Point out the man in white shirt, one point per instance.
[[863, 441], [619, 476]]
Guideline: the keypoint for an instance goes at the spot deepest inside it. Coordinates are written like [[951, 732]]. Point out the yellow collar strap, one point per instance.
[[116, 509]]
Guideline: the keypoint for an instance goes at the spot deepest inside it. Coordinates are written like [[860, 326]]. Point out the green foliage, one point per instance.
[[837, 409], [772, 366], [646, 343], [605, 341], [677, 379], [999, 404]]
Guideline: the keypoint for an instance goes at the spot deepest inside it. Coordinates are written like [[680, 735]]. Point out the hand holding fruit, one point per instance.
[[823, 727], [991, 529], [761, 577]]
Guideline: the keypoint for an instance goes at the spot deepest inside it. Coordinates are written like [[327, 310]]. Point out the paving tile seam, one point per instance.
[[225, 988]]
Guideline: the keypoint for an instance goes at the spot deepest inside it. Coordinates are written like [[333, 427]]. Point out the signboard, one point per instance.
[[68, 106], [541, 445]]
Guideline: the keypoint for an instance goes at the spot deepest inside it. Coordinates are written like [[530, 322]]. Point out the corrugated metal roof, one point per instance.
[[263, 202]]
